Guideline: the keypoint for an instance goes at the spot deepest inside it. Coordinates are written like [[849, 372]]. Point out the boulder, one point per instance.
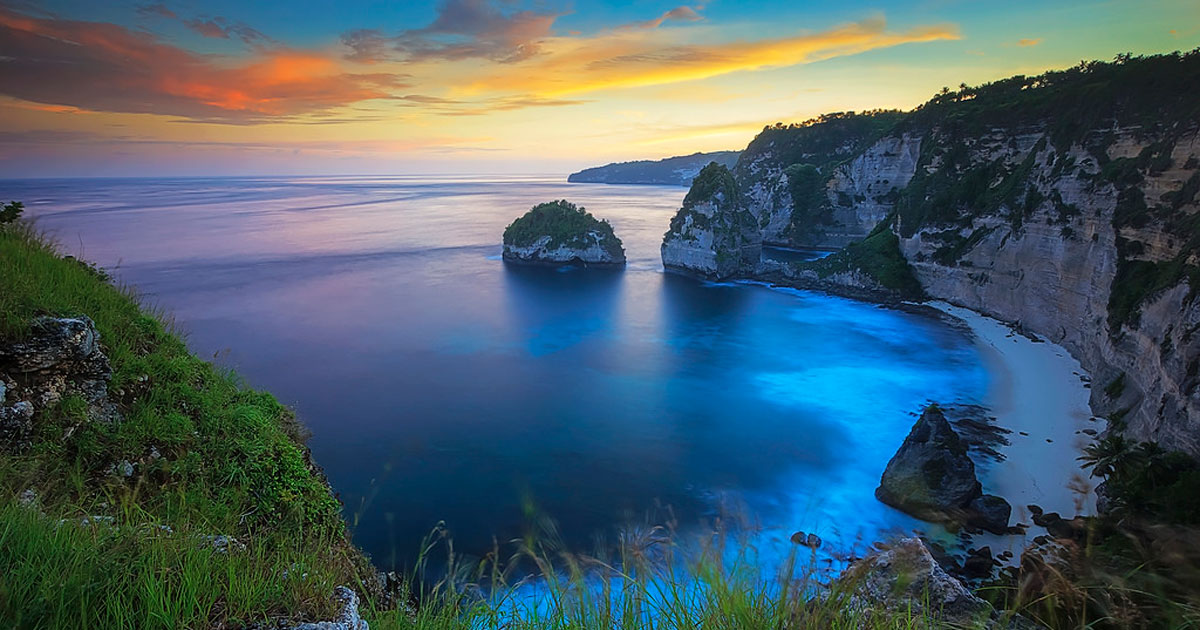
[[51, 341], [931, 474], [990, 512], [59, 356], [933, 478], [904, 578]]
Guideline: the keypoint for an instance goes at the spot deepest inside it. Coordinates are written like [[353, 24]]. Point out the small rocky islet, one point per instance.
[[562, 233]]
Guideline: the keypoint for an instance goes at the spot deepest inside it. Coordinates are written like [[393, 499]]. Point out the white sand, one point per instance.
[[1038, 393]]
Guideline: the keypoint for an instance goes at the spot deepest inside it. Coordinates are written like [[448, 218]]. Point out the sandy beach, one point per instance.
[[1040, 393]]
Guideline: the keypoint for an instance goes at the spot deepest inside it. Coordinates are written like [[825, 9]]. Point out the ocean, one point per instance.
[[443, 386]]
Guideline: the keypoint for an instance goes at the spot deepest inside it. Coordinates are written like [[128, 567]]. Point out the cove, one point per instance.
[[444, 386]]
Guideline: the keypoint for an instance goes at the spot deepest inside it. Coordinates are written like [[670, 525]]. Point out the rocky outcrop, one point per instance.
[[905, 579], [590, 248], [933, 478], [712, 235], [793, 178], [348, 618], [59, 357], [561, 233]]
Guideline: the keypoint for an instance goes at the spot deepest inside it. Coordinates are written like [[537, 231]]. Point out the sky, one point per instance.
[[231, 87]]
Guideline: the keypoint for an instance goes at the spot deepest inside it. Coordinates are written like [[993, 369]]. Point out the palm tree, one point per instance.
[[1107, 456]]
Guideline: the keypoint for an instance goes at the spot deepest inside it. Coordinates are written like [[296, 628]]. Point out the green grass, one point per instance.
[[878, 256], [69, 575], [652, 583], [210, 456]]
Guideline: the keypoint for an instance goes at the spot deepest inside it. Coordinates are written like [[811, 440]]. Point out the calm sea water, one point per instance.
[[443, 385]]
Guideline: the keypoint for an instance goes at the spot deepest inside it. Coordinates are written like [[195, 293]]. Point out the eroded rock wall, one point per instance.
[[1046, 257]]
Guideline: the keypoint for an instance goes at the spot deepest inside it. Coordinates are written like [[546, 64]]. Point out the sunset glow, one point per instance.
[[220, 88]]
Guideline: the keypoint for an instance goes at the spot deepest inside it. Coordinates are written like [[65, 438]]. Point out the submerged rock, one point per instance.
[[712, 235], [561, 233], [933, 478]]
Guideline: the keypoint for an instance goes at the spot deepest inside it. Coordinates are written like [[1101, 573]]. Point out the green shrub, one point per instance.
[[565, 223]]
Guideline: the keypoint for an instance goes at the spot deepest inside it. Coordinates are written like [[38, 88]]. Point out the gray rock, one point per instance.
[[713, 235], [904, 578], [221, 543], [931, 476], [990, 512], [347, 619], [594, 252], [28, 498], [52, 341], [60, 356], [91, 521]]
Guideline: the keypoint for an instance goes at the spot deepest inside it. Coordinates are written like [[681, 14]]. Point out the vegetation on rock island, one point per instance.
[[565, 225]]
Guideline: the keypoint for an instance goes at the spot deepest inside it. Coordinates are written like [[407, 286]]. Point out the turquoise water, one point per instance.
[[442, 385]]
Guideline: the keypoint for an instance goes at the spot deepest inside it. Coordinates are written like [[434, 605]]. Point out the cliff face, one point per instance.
[[1053, 268], [712, 235], [1066, 203], [595, 250], [784, 175], [1054, 272]]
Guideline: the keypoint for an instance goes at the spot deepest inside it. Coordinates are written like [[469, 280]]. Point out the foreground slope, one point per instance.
[[150, 490]]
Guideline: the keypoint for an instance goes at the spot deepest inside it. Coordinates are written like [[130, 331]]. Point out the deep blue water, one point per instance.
[[442, 385]]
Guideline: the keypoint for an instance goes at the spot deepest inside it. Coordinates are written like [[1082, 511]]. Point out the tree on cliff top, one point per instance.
[[713, 179]]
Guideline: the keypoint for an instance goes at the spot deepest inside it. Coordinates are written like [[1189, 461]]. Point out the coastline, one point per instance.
[[1040, 393]]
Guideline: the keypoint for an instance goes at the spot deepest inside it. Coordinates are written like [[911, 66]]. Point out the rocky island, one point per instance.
[[561, 233]]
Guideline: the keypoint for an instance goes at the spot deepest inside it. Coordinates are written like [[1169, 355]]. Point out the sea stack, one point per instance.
[[561, 233], [712, 235], [932, 478]]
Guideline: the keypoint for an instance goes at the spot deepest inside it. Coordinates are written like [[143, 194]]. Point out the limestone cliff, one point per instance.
[[1066, 202], [785, 176], [712, 235]]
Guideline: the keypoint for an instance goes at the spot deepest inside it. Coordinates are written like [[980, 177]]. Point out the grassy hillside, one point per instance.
[[208, 456]]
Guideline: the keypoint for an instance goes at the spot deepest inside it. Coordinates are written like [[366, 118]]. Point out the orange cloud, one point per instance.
[[105, 67], [626, 59], [1029, 42]]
